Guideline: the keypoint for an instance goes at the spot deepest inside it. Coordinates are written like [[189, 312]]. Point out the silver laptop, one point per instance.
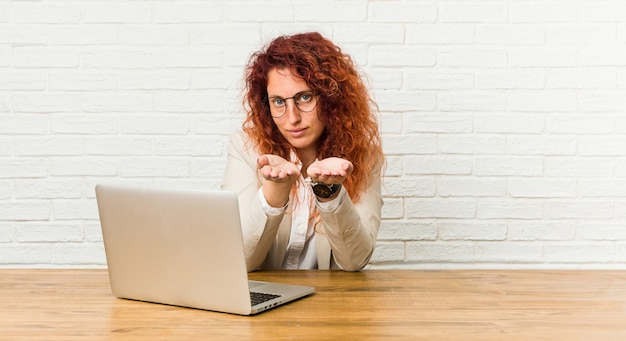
[[183, 248]]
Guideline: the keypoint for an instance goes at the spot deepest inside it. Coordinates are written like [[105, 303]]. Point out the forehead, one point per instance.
[[283, 83]]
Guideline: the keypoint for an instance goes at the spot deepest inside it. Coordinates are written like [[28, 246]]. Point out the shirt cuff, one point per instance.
[[334, 204], [269, 210]]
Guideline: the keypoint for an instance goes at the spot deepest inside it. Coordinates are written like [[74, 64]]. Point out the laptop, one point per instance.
[[182, 248]]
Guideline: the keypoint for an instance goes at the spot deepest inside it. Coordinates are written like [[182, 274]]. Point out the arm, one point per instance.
[[352, 228], [242, 177]]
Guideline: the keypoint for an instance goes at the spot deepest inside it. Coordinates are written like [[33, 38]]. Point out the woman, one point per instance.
[[307, 165]]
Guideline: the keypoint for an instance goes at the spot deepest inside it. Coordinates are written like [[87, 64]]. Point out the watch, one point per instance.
[[323, 190]]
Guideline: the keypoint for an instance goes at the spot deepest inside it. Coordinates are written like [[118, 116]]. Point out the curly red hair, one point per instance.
[[345, 105]]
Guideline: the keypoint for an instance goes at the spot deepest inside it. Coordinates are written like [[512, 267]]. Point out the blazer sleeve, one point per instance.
[[241, 176], [352, 228]]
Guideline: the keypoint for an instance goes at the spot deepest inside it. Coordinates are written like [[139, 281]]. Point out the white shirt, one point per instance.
[[301, 252]]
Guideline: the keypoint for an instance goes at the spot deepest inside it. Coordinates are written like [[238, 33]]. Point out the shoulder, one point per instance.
[[239, 143]]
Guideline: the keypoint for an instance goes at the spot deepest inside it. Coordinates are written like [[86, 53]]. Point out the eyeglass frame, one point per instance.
[[299, 94]]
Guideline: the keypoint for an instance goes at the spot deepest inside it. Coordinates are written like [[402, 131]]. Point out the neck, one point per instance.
[[307, 157]]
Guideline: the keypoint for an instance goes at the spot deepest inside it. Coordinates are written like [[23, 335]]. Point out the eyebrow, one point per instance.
[[294, 95]]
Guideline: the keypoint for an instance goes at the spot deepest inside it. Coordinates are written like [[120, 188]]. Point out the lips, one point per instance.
[[297, 132]]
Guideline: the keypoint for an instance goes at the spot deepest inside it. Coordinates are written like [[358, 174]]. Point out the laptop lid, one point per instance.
[[180, 247]]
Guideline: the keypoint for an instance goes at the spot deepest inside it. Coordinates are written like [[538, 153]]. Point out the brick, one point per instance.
[[408, 12], [472, 101], [472, 144], [116, 58], [548, 12], [23, 80], [133, 13], [83, 166], [407, 101], [25, 210], [509, 209], [137, 35], [602, 188], [441, 123], [84, 81], [26, 253], [83, 35], [79, 254], [471, 11], [27, 34], [439, 252], [48, 189], [33, 13], [603, 102], [437, 165], [580, 124], [579, 209], [192, 146], [393, 208], [439, 80], [509, 252], [332, 11], [6, 232], [196, 101], [409, 144], [407, 230], [472, 57], [582, 79], [43, 57], [55, 232], [508, 166], [107, 103], [543, 57], [23, 124], [578, 167], [574, 34], [510, 79], [541, 188], [544, 101], [396, 55], [504, 34], [471, 231], [191, 12], [387, 33], [154, 124], [524, 230], [186, 57], [388, 252], [49, 146], [409, 187], [16, 168], [441, 208], [579, 253], [471, 187], [541, 145], [602, 232], [440, 34], [505, 124], [81, 124], [154, 167]]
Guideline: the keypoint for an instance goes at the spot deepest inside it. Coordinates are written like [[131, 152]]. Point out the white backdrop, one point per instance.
[[504, 122]]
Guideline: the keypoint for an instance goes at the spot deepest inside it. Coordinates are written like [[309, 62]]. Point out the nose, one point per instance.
[[292, 112]]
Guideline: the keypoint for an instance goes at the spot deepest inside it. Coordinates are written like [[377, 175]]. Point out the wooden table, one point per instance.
[[369, 305]]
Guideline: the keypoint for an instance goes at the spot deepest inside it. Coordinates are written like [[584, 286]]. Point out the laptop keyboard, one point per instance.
[[260, 297]]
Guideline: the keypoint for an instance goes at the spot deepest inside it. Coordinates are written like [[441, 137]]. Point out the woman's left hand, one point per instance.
[[332, 170]]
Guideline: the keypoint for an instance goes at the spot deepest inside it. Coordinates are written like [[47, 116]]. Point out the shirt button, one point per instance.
[[255, 236], [347, 232]]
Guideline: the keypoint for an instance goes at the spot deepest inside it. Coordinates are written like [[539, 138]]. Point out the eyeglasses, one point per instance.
[[305, 101]]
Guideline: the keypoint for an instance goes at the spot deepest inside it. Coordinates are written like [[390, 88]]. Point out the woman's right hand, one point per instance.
[[279, 175]]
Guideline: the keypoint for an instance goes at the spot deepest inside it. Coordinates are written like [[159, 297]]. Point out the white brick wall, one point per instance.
[[504, 121]]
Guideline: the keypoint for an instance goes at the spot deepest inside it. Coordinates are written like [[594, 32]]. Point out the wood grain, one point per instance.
[[369, 305]]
